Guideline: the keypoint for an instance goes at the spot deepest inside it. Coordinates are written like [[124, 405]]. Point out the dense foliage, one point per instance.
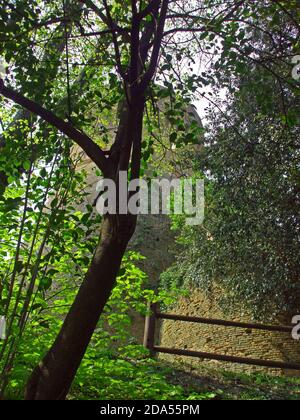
[[247, 251], [115, 366], [81, 78]]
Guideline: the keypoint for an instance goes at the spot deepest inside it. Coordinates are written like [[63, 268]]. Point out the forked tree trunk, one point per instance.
[[52, 378]]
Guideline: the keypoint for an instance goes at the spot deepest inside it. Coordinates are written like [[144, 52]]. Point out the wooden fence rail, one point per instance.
[[149, 339]]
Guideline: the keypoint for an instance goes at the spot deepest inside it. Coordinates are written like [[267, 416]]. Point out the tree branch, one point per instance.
[[207, 25], [135, 51], [156, 46], [96, 10], [116, 28], [149, 9], [93, 151], [134, 7], [112, 26]]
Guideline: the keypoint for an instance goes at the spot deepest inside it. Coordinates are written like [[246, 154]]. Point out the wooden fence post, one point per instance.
[[150, 321]]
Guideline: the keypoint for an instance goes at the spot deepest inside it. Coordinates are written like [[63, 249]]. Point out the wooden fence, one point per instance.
[[150, 333]]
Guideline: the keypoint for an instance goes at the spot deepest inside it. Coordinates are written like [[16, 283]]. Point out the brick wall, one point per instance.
[[224, 340]]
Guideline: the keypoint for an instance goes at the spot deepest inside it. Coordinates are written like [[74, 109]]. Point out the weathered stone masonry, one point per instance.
[[225, 340]]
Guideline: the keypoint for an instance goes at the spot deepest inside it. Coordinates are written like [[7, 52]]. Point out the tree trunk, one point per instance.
[[3, 183], [52, 378]]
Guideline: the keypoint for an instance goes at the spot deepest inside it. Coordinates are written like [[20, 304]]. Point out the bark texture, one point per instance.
[[52, 378]]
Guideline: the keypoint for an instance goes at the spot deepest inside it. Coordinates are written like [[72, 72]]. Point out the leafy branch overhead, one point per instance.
[[136, 41]]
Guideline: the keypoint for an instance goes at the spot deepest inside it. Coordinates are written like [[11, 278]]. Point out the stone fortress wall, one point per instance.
[[225, 340], [155, 240]]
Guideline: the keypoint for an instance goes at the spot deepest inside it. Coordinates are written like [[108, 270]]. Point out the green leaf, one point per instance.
[[27, 165]]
